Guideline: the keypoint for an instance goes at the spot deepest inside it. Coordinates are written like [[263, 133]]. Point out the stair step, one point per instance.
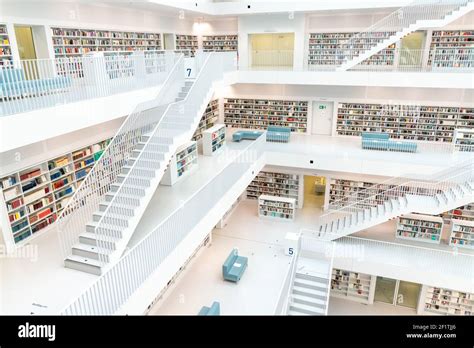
[[137, 181], [301, 308], [308, 301], [310, 285], [95, 239], [128, 211], [172, 125], [162, 140], [142, 172], [110, 231], [316, 277], [290, 312], [155, 147], [128, 189], [91, 251], [309, 292], [145, 162], [153, 157], [127, 201], [83, 264], [96, 216]]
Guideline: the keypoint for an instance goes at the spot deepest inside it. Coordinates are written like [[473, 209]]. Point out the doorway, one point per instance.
[[26, 44], [321, 123], [412, 48], [168, 42], [314, 191], [271, 50], [397, 292]]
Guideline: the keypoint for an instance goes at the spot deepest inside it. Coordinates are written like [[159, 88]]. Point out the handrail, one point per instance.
[[78, 211], [281, 307], [331, 264]]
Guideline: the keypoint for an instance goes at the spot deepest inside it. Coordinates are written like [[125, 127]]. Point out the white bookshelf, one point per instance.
[[275, 184], [452, 49], [223, 222], [261, 113], [423, 228], [462, 234], [275, 207], [330, 49], [219, 43], [353, 286], [70, 42], [465, 213], [6, 54], [208, 119], [464, 139], [35, 196], [182, 163], [213, 139], [448, 302], [187, 42], [412, 122]]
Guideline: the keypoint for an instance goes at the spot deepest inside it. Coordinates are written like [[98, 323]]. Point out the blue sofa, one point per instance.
[[249, 135], [14, 84], [382, 141], [215, 309], [234, 266], [278, 134]]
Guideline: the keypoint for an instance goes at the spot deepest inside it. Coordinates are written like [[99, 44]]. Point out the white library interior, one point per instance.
[[237, 158]]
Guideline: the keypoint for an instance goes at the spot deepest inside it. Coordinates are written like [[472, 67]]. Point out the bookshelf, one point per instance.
[[219, 43], [452, 49], [462, 234], [261, 113], [447, 301], [330, 49], [208, 119], [413, 122], [213, 139], [275, 207], [223, 222], [35, 196], [465, 213], [70, 42], [182, 163], [187, 42], [6, 54], [464, 139], [353, 286], [275, 184], [424, 228]]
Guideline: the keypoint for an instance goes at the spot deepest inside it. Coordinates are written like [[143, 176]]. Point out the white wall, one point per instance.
[[272, 23]]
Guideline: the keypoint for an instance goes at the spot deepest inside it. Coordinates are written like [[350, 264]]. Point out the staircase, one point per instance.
[[106, 231], [419, 14], [310, 289], [447, 190]]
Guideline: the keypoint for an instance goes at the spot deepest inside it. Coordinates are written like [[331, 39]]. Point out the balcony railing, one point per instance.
[[34, 84]]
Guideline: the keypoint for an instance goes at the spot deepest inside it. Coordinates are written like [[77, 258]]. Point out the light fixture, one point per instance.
[[291, 15]]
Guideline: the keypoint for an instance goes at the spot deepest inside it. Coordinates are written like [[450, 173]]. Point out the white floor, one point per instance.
[[338, 306]]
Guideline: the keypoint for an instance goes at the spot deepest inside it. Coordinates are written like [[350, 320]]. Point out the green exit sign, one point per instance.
[[322, 107]]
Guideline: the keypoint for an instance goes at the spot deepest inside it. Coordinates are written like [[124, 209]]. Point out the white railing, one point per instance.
[[117, 284], [34, 84], [403, 18], [144, 166], [85, 201], [347, 210]]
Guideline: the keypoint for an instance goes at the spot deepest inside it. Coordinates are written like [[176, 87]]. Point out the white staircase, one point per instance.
[[449, 190], [105, 236], [420, 14], [310, 289]]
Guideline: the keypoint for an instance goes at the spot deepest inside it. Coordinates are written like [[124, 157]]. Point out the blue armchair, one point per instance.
[[234, 266], [249, 135], [215, 309], [278, 134], [382, 141]]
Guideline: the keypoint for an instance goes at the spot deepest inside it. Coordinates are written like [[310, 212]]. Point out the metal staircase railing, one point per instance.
[[85, 201], [397, 24]]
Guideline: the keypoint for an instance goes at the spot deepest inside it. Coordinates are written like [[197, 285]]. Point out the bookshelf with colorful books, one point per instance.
[[462, 234], [70, 42], [423, 228], [331, 49], [276, 184], [187, 42], [452, 49], [275, 207], [353, 286], [447, 302], [6, 54], [465, 212], [220, 43], [182, 164], [261, 113], [35, 196], [213, 139], [208, 119], [464, 139]]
